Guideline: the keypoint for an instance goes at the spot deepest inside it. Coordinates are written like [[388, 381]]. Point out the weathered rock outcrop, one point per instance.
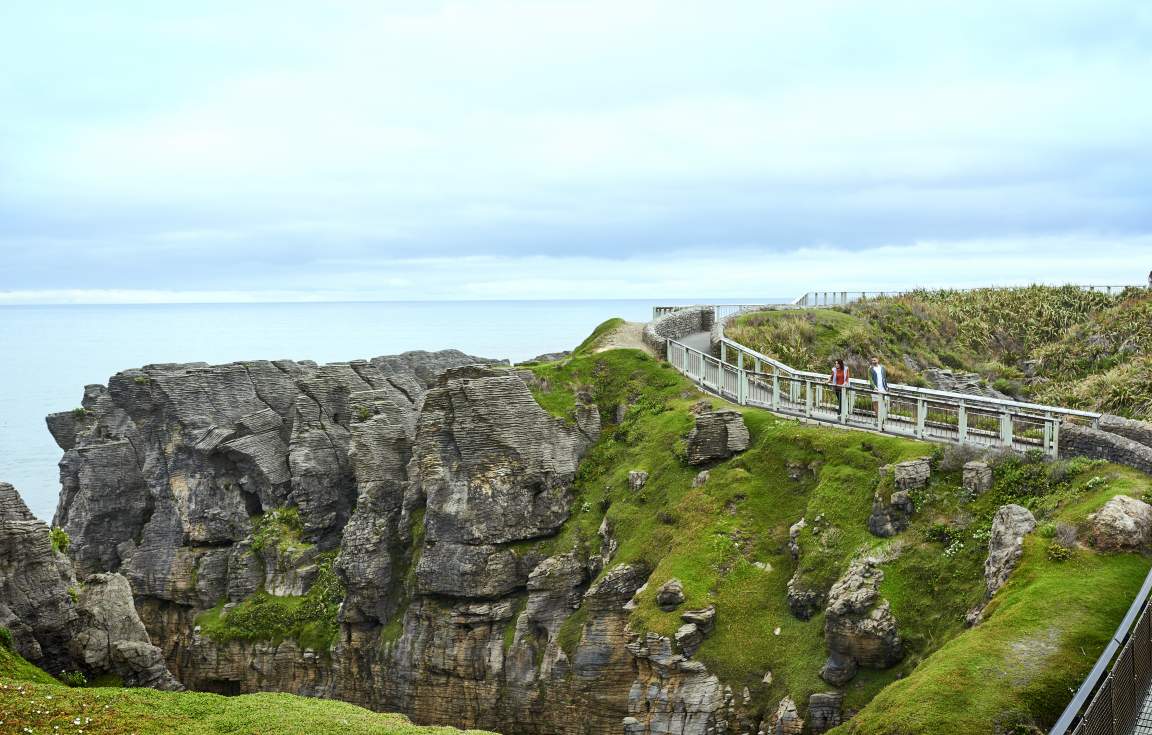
[[859, 629], [1005, 547], [1006, 544], [977, 477], [1124, 523], [717, 435], [61, 624], [892, 505]]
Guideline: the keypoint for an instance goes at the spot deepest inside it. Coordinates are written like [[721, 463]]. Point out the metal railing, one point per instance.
[[751, 378], [1110, 699], [839, 298]]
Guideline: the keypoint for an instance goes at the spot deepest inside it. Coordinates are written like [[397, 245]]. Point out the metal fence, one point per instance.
[[1111, 699], [839, 298], [748, 377]]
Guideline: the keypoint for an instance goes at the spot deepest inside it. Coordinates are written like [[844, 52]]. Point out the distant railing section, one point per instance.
[[839, 298], [1109, 700], [720, 311], [751, 378]]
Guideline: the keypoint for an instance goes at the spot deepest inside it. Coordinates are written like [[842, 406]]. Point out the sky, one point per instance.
[[495, 149]]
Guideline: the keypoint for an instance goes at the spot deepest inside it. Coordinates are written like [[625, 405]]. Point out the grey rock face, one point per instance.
[[794, 538], [493, 465], [34, 582], [688, 638], [786, 720], [824, 711], [859, 626], [704, 619], [912, 475], [1123, 523], [98, 633], [977, 477], [1006, 544], [637, 479], [701, 479], [112, 638], [670, 595], [803, 602], [717, 435], [891, 514]]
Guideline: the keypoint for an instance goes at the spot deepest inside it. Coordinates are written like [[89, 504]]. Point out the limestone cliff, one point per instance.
[[427, 476]]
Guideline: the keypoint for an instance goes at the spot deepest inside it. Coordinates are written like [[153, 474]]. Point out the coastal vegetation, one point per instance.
[[1060, 345], [726, 540]]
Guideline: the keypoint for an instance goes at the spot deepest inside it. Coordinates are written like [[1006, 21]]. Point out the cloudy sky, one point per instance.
[[597, 148]]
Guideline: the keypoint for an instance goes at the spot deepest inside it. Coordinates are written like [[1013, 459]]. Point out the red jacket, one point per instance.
[[840, 376]]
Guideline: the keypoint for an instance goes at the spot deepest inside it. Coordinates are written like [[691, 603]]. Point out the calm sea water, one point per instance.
[[49, 353]]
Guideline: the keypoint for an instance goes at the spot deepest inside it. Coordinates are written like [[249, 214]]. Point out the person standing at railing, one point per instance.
[[839, 380], [878, 381]]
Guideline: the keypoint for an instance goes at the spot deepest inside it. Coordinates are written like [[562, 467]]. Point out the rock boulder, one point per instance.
[[717, 435], [1124, 523]]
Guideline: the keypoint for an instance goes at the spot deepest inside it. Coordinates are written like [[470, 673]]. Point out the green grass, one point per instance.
[[309, 619], [727, 541], [1039, 639], [41, 707]]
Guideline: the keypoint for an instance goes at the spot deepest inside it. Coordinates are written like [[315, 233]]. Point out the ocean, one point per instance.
[[49, 353]]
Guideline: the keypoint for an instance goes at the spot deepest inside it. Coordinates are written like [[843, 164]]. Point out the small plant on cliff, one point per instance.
[[363, 414], [60, 540], [278, 527], [1059, 552], [73, 679], [310, 619], [141, 380], [79, 413]]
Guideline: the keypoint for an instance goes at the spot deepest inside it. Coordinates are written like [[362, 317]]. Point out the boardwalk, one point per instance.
[[745, 376]]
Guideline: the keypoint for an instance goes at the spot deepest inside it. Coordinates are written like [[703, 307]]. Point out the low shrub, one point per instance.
[[74, 679], [60, 540]]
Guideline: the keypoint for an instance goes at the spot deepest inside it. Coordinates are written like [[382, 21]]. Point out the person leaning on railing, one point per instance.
[[877, 381], [839, 380]]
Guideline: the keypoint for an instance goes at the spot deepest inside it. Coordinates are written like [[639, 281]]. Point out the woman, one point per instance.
[[839, 380]]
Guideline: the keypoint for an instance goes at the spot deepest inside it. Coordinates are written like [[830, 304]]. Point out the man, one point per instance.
[[878, 381], [877, 376]]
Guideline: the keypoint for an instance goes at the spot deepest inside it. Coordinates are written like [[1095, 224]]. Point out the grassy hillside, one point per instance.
[[33, 702], [1060, 344], [727, 542]]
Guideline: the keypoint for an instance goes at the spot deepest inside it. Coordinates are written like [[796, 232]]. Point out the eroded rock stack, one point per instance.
[[60, 623]]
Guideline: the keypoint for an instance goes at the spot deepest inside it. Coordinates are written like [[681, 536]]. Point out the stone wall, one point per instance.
[[1137, 431], [1084, 441], [676, 325]]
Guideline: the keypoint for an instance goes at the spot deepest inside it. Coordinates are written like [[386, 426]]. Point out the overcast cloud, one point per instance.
[[497, 149]]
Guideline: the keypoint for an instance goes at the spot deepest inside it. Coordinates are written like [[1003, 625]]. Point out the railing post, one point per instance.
[[807, 397], [757, 363], [962, 423], [1006, 429], [921, 417], [1056, 439], [723, 352], [775, 388], [1048, 448], [847, 401], [742, 387], [739, 360]]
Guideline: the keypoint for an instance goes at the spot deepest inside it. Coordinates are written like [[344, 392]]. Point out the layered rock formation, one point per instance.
[[431, 483], [62, 624], [859, 628]]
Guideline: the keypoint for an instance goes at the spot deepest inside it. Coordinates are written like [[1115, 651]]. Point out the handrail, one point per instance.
[[929, 413], [1122, 636], [839, 298]]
